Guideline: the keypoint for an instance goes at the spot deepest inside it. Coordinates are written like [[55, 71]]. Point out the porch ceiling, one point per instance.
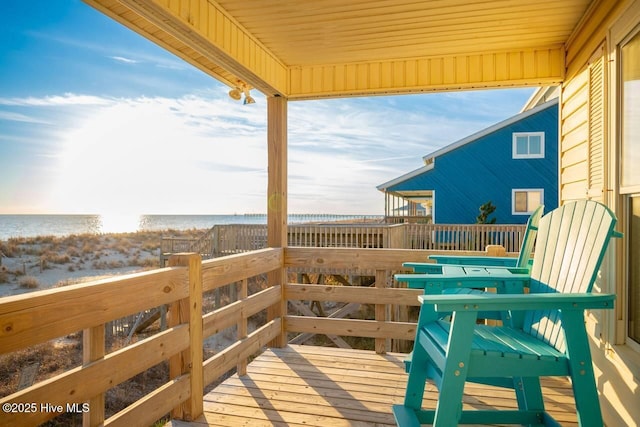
[[335, 48], [413, 195]]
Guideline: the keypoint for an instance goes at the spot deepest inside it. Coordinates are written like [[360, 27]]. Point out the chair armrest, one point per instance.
[[503, 279], [422, 267], [475, 260], [477, 302]]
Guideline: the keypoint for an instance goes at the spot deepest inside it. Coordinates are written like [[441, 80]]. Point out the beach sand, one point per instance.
[[39, 263], [36, 263]]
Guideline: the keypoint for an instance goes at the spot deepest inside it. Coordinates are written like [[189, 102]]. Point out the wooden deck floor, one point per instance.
[[319, 386]]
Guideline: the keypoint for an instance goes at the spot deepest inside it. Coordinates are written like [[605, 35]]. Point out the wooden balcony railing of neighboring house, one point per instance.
[[411, 219], [223, 240], [184, 286]]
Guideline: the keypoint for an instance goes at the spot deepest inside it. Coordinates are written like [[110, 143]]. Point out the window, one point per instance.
[[528, 145], [633, 272], [630, 175], [525, 201]]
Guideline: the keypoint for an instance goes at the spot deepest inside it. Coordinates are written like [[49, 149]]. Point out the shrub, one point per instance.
[[147, 262], [115, 264], [58, 258], [29, 282], [73, 252], [9, 249]]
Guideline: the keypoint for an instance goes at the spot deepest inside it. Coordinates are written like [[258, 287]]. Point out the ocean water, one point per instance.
[[62, 225]]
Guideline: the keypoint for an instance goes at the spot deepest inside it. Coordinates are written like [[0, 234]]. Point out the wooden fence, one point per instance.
[[30, 319], [224, 240]]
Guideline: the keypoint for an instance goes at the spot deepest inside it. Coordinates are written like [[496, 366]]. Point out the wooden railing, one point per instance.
[[412, 219], [176, 245], [38, 317], [472, 237], [224, 240], [391, 318]]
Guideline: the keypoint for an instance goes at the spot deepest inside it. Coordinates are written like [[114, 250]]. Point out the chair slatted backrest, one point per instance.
[[570, 247], [529, 237]]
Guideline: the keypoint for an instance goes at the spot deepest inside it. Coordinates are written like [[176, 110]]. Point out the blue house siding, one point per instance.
[[483, 169]]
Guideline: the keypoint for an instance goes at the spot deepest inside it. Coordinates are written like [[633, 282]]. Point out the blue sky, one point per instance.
[[96, 119]]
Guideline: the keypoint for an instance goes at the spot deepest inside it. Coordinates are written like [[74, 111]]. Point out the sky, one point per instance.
[[94, 118]]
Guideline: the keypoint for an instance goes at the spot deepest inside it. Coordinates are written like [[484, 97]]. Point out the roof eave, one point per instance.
[[490, 129], [405, 177]]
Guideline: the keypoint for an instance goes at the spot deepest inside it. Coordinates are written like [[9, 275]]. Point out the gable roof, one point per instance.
[[501, 125], [429, 159]]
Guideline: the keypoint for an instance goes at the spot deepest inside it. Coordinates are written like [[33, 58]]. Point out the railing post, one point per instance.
[[495, 250], [93, 348], [381, 310], [277, 200], [243, 293], [189, 361]]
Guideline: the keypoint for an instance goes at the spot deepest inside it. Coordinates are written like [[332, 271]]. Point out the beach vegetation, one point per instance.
[[4, 275], [9, 249], [29, 282], [73, 252], [56, 258], [113, 264], [150, 245], [48, 239], [137, 261], [88, 248], [33, 250], [50, 358]]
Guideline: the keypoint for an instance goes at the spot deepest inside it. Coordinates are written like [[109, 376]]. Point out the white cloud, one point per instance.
[[208, 154], [67, 99], [150, 155], [17, 117], [123, 59]]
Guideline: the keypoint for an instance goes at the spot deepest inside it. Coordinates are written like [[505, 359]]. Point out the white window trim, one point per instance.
[[527, 156], [628, 350], [528, 190]]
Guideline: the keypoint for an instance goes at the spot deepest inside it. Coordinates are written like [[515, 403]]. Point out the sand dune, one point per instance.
[[35, 263]]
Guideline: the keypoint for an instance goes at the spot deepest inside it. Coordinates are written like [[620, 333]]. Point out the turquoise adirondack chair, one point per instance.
[[545, 335], [523, 259], [419, 281]]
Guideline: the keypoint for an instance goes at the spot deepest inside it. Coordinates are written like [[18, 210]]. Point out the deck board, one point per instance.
[[320, 386]]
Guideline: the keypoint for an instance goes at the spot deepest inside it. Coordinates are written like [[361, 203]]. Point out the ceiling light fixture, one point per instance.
[[239, 89], [235, 94], [248, 99]]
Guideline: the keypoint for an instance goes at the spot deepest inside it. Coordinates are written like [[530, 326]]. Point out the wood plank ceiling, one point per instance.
[[329, 48], [338, 31]]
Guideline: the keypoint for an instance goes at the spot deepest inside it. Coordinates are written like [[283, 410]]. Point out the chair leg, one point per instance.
[[585, 393], [420, 362], [528, 393], [583, 380], [449, 405], [455, 371], [417, 377]]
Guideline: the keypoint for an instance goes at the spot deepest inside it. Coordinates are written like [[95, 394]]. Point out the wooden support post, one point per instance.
[[243, 292], [189, 310], [277, 200], [93, 348], [381, 310], [495, 250]]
